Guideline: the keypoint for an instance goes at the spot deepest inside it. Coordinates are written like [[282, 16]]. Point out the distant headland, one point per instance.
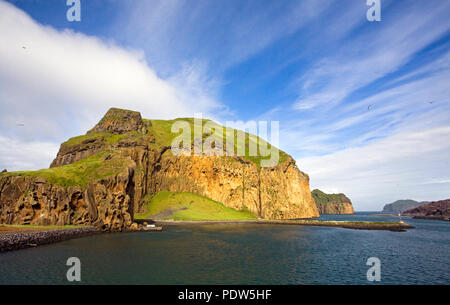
[[122, 172], [332, 203]]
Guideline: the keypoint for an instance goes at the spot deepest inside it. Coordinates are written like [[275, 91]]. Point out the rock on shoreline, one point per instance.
[[20, 240]]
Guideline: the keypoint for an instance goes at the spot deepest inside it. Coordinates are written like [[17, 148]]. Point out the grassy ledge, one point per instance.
[[188, 206], [78, 173]]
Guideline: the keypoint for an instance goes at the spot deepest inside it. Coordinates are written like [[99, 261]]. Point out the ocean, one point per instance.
[[243, 254]]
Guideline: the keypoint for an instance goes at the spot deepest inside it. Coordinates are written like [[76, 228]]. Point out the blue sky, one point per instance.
[[363, 106]]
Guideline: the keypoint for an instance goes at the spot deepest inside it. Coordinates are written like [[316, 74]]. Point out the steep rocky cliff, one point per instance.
[[332, 203], [107, 175]]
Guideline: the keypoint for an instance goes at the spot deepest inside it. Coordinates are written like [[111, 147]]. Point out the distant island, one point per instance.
[[439, 210], [332, 203], [400, 206]]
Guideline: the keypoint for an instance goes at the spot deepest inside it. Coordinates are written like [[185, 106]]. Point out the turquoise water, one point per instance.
[[243, 254]]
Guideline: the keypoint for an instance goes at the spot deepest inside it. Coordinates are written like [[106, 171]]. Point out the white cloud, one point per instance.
[[19, 155], [59, 83]]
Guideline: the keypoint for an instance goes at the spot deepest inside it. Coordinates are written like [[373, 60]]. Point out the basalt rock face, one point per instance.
[[332, 203], [434, 210], [116, 123], [70, 154], [32, 200], [111, 191]]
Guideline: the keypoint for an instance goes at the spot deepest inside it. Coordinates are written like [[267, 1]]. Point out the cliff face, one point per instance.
[[332, 203], [280, 192], [105, 203], [400, 206], [103, 177], [434, 210]]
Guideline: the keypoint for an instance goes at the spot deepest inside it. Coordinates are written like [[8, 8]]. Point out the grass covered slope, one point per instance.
[[323, 198], [188, 206], [79, 173], [161, 130]]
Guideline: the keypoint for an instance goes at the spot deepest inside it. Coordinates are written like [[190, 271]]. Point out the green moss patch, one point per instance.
[[79, 173]]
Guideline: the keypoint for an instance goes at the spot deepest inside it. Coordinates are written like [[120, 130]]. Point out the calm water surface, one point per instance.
[[243, 254]]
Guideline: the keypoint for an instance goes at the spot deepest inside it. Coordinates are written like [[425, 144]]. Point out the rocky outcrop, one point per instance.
[[118, 128], [32, 200], [69, 154], [439, 210], [120, 121], [400, 206], [109, 192], [332, 203]]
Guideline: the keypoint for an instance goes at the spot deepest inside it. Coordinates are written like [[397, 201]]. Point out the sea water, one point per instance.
[[243, 254]]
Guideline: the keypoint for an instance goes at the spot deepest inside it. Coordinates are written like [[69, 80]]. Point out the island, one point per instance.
[[332, 203], [123, 172]]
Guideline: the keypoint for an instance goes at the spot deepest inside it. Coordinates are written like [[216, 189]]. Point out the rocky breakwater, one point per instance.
[[332, 203]]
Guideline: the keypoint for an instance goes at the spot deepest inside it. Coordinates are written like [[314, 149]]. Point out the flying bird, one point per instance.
[[368, 107]]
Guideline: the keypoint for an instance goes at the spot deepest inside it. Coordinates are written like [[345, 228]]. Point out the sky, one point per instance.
[[364, 107]]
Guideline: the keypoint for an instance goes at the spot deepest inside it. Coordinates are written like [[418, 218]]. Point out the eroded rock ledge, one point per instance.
[[332, 203]]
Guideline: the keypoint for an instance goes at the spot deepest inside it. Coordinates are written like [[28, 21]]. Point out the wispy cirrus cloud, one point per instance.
[[372, 54], [216, 34]]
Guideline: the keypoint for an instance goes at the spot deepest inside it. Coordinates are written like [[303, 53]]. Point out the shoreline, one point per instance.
[[15, 240], [357, 225], [22, 239]]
